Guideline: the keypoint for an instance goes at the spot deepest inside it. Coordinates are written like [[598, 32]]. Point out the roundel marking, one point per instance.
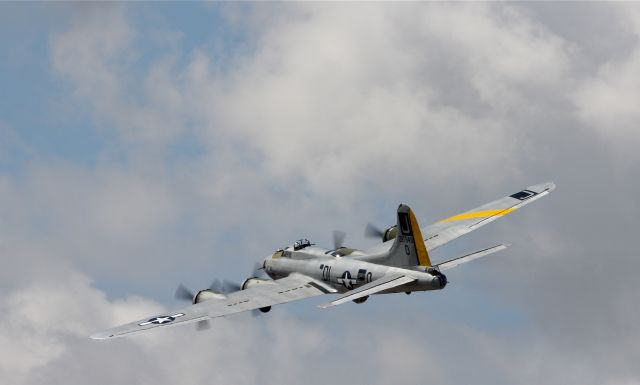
[[161, 320]]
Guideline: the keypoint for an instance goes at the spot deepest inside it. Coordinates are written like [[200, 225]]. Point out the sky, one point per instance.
[[143, 145]]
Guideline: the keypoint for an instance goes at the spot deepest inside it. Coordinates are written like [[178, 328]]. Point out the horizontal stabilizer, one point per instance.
[[470, 257], [373, 287]]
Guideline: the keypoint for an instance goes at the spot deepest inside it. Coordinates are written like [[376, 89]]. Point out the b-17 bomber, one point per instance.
[[400, 264]]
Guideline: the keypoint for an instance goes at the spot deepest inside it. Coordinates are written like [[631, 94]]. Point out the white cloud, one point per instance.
[[341, 104], [96, 54], [41, 321], [331, 104], [60, 213], [334, 104], [607, 101], [44, 328]]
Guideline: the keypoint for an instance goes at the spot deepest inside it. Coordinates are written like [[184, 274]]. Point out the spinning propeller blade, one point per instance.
[[372, 231], [183, 293], [230, 287], [338, 238], [203, 325], [258, 270], [222, 287], [216, 286]]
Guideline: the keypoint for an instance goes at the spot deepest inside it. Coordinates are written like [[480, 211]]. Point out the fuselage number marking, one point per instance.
[[326, 272]]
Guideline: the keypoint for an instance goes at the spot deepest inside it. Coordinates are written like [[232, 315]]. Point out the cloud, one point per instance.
[[79, 216], [45, 327], [43, 322], [96, 54], [342, 104], [329, 112], [328, 103], [607, 102]]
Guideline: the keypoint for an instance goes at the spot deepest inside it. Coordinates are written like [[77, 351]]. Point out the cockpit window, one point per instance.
[[301, 244]]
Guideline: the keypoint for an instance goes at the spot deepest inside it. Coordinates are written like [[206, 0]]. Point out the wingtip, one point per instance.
[[539, 188], [101, 336]]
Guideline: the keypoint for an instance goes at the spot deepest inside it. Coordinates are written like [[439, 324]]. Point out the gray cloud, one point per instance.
[[336, 112]]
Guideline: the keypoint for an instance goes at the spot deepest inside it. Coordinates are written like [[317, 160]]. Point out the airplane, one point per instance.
[[401, 263]]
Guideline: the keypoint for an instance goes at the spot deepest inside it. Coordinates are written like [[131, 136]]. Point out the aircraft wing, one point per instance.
[[292, 288], [448, 229], [372, 287]]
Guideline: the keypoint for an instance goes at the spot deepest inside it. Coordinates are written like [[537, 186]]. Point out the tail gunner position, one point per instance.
[[400, 264]]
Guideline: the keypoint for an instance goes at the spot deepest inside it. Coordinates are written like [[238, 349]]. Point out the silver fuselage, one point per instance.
[[345, 273]]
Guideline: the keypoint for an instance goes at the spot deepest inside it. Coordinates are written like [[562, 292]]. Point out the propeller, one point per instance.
[[338, 238], [216, 286], [203, 325], [183, 293], [230, 287], [223, 287], [372, 231], [258, 270]]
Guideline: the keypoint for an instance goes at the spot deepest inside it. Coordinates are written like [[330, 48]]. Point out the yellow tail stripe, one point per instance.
[[421, 249], [479, 214]]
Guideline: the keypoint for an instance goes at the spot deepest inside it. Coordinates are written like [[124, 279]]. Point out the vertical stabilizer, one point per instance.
[[408, 248]]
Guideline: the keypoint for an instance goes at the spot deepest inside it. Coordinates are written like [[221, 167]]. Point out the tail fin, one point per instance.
[[408, 248]]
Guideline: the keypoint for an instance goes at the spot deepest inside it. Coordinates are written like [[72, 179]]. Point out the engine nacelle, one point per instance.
[[390, 233], [254, 281], [206, 295]]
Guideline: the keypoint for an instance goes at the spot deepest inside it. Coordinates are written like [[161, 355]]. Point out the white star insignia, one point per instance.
[[161, 320]]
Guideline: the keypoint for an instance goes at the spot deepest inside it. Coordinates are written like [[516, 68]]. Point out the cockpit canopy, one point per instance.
[[301, 244]]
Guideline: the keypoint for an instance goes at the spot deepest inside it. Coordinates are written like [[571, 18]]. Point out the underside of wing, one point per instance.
[[456, 226], [292, 288], [373, 287]]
